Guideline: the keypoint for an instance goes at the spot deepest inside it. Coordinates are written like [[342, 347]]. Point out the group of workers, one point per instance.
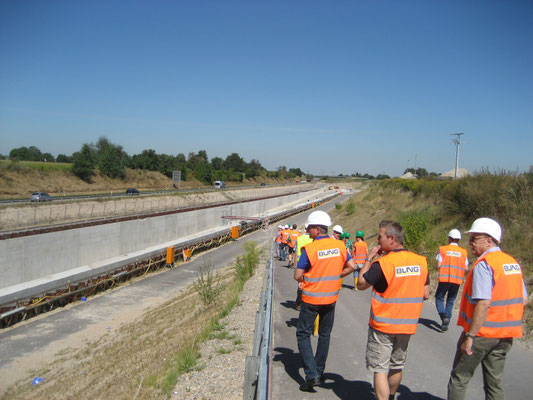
[[490, 313]]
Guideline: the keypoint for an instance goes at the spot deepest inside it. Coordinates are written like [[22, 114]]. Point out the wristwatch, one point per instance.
[[468, 334]]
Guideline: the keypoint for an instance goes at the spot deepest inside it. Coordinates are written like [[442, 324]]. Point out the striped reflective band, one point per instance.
[[322, 278], [453, 266], [396, 300], [451, 276], [394, 321], [494, 324], [498, 303], [320, 294]]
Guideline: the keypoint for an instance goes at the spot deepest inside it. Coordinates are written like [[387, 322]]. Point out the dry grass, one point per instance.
[[139, 361], [20, 180]]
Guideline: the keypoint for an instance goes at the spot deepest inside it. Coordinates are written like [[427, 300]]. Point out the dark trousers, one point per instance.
[[448, 290], [491, 353], [314, 365]]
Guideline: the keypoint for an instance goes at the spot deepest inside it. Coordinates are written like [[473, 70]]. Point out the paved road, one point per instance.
[[429, 361]]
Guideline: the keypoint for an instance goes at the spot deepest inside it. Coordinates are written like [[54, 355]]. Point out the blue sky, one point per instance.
[[330, 87]]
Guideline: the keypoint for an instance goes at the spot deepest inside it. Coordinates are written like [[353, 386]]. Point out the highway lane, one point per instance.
[[429, 361]]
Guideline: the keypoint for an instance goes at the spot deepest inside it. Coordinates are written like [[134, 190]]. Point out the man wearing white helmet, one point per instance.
[[322, 265], [337, 232], [277, 240], [491, 312], [452, 262]]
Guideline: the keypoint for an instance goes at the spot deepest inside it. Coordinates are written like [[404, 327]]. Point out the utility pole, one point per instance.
[[457, 142]]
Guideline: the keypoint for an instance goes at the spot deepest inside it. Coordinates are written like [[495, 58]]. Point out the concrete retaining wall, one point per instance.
[[39, 257]]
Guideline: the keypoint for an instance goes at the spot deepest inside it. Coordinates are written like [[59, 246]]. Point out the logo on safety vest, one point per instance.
[[328, 253], [408, 270], [453, 254], [510, 269]]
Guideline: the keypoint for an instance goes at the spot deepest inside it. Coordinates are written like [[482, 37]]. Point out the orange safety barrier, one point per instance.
[[170, 255], [234, 232]]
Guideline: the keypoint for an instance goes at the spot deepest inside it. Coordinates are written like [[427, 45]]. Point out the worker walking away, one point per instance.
[[400, 282], [277, 241], [323, 263], [300, 243], [284, 242], [491, 311], [293, 237], [347, 242], [452, 262], [337, 232], [360, 252]]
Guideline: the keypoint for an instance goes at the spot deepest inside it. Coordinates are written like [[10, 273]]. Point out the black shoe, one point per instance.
[[445, 323], [307, 386]]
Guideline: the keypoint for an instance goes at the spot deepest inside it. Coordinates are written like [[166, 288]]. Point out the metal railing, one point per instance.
[[258, 370]]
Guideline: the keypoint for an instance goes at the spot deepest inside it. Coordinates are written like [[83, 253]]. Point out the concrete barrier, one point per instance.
[[33, 264]]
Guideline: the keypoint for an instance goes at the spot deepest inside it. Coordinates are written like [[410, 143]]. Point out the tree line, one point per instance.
[[111, 160]]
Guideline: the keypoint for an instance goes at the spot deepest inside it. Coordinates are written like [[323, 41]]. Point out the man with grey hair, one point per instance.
[[491, 311], [400, 282]]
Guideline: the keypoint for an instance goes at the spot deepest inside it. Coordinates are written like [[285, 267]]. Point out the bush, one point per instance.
[[338, 206], [350, 208], [415, 225], [207, 285], [246, 263]]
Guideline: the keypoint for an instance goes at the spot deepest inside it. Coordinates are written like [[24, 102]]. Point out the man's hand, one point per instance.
[[466, 346]]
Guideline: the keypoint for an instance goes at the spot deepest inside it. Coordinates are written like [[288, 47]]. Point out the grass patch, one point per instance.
[[222, 350]]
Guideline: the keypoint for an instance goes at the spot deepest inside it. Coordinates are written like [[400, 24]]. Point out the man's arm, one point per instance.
[[481, 311], [426, 292], [349, 267], [362, 284], [299, 274]]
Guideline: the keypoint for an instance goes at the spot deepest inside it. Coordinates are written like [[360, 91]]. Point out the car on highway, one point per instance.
[[220, 185], [40, 196], [132, 191]]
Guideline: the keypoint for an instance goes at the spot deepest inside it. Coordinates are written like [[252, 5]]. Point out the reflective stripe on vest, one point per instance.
[[453, 264], [398, 309], [504, 318], [321, 284]]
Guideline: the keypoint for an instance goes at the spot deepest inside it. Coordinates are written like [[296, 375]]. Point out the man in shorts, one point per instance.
[[400, 283]]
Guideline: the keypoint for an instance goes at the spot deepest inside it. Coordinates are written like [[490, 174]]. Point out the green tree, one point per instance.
[[48, 157], [235, 162], [62, 158], [84, 163], [110, 162], [217, 163], [204, 172]]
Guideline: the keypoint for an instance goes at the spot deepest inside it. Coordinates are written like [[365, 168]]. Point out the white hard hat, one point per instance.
[[338, 228], [319, 218], [280, 226], [455, 234], [488, 226], [287, 226]]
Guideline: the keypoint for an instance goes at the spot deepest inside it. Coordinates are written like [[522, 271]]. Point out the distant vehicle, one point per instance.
[[40, 196], [220, 185], [132, 191], [263, 184]]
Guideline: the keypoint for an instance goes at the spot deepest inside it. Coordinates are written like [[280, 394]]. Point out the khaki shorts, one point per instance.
[[386, 351]]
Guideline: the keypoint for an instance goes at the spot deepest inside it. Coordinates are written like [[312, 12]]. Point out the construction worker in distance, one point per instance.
[[300, 243], [293, 237], [323, 263], [337, 232], [400, 284], [360, 252], [277, 240], [347, 241], [284, 242], [452, 262], [491, 312]]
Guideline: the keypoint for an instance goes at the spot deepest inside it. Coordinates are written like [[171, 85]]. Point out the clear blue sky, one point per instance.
[[327, 86]]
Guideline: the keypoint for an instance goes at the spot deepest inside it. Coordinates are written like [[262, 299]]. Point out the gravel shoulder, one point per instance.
[[220, 371]]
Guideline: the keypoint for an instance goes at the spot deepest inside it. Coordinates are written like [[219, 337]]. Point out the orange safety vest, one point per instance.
[[360, 251], [506, 307], [321, 284], [398, 309], [278, 238], [284, 235], [294, 237], [453, 265]]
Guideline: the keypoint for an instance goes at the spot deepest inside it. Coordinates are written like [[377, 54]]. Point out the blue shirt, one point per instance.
[[303, 262]]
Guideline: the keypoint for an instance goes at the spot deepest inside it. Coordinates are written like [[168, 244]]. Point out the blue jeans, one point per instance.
[[283, 252], [314, 365], [449, 289]]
